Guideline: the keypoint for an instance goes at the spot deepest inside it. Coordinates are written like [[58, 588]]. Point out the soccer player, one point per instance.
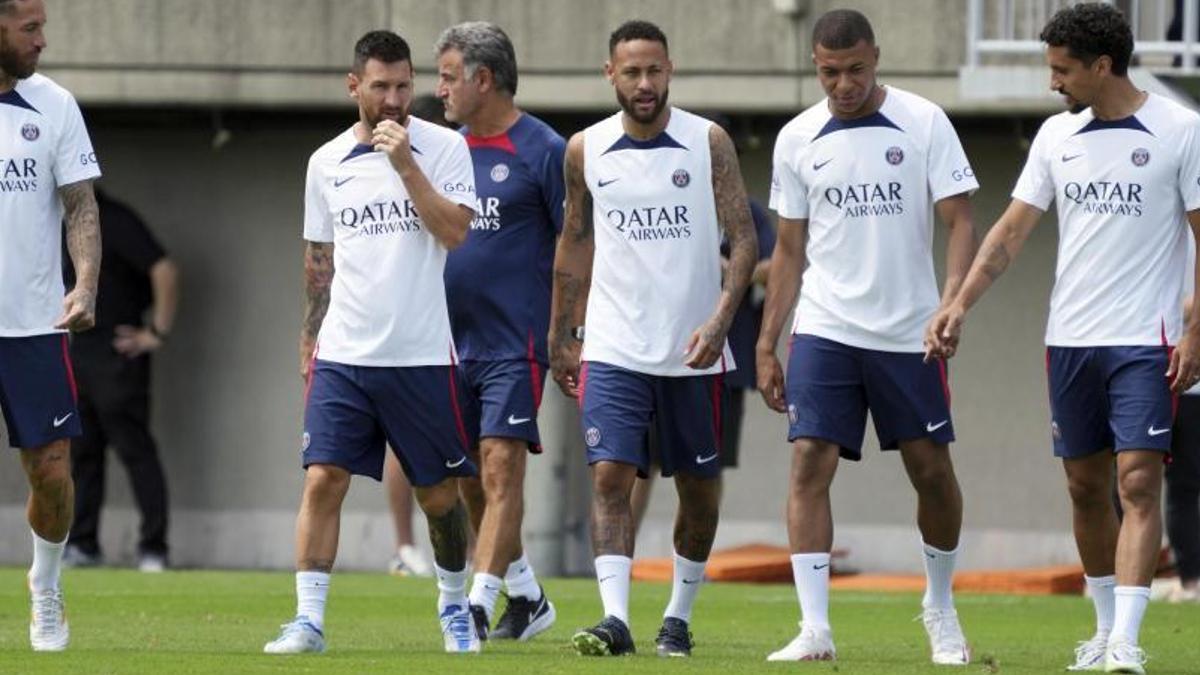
[[498, 291], [648, 192], [47, 166], [856, 180], [384, 202], [1123, 166]]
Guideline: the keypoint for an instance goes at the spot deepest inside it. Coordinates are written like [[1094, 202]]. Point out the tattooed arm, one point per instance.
[[733, 214], [572, 272], [318, 278], [83, 243], [1001, 245]]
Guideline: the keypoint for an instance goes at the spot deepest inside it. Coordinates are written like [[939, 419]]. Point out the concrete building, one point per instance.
[[204, 112]]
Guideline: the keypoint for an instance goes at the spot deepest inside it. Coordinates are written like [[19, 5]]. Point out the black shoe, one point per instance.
[[674, 638], [479, 616], [610, 637], [523, 618]]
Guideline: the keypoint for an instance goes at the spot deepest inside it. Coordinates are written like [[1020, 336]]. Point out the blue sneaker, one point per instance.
[[299, 636], [458, 630]]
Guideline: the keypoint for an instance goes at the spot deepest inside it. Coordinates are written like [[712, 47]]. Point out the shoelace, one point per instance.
[[459, 626], [1091, 650], [943, 628], [1126, 653], [47, 610], [292, 627]]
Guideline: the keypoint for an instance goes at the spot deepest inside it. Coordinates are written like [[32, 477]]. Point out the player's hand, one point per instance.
[[943, 333], [79, 310], [565, 354], [132, 342], [706, 345], [1184, 371], [391, 139], [770, 379], [306, 356]]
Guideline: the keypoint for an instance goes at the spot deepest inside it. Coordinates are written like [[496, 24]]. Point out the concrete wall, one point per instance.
[[228, 397]]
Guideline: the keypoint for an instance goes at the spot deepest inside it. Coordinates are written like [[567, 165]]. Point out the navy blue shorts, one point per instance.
[[618, 407], [831, 386], [37, 390], [505, 397], [1105, 398], [351, 411]]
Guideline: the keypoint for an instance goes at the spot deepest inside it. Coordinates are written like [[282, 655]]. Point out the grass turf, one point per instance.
[[216, 622]]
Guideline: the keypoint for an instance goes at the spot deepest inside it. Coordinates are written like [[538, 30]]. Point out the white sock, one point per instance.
[[47, 563], [939, 577], [484, 591], [452, 587], [520, 580], [1101, 589], [612, 573], [312, 589], [685, 584], [811, 572], [1130, 607]]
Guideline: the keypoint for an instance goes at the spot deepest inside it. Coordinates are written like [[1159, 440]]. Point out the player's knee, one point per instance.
[[1139, 489], [1089, 491], [48, 467], [325, 480], [438, 500]]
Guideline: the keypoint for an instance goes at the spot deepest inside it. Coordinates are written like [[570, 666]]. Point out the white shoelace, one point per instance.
[[47, 610]]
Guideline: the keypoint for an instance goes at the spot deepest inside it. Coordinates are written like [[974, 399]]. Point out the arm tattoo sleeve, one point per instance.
[[83, 231], [733, 213], [318, 277]]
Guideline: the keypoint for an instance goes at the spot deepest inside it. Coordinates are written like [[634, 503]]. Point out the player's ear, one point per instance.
[[608, 71], [352, 83], [1102, 65]]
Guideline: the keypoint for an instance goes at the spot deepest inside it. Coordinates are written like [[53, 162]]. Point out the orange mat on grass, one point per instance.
[[772, 564]]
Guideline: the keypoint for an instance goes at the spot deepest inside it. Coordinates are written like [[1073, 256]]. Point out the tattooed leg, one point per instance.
[[613, 529], [51, 505], [448, 527], [320, 518], [697, 516]]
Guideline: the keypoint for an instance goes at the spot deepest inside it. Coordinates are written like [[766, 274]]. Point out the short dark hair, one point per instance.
[[842, 29], [1091, 30], [381, 45], [636, 30]]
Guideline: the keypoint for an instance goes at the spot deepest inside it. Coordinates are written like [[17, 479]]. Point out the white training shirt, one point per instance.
[[656, 277], [44, 145], [867, 187], [387, 306], [1122, 188]]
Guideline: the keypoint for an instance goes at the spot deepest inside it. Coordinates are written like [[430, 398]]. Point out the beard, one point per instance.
[[12, 65], [374, 118], [659, 103]]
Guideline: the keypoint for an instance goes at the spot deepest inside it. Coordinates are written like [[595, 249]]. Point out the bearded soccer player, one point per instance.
[[498, 291], [1123, 166], [384, 202], [639, 319], [857, 179], [46, 170]]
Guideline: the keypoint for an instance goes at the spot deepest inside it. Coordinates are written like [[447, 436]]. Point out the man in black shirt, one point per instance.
[[112, 366]]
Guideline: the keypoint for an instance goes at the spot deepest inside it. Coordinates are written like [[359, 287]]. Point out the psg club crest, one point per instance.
[[592, 437], [30, 132], [305, 440], [681, 178], [499, 173], [894, 155], [1140, 157]]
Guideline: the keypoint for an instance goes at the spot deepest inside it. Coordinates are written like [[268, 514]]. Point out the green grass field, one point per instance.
[[217, 622]]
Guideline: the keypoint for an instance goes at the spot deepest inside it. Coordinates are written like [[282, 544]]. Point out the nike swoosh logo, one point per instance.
[[1152, 431], [1067, 158], [455, 465], [607, 182], [818, 167], [705, 460], [820, 567], [604, 579], [339, 182], [930, 427], [691, 581], [58, 421], [514, 420]]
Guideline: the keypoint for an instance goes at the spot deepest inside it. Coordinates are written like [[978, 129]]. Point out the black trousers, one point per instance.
[[1183, 489], [114, 405]]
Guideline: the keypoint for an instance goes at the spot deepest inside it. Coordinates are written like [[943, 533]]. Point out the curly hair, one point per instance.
[[636, 30], [1091, 30]]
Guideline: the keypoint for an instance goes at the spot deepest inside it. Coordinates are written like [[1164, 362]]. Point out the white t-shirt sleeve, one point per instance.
[[455, 179], [317, 224], [75, 159], [789, 194], [949, 169], [1035, 185], [1189, 167]]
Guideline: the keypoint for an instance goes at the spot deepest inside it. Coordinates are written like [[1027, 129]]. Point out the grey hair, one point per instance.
[[482, 43]]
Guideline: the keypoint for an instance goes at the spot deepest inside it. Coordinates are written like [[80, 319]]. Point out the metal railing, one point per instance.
[[1011, 28]]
